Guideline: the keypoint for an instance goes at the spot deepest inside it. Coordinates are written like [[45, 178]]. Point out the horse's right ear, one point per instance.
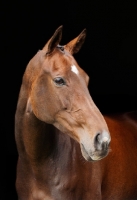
[[54, 40]]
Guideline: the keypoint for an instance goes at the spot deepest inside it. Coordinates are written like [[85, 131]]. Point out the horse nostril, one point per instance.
[[97, 139], [101, 141]]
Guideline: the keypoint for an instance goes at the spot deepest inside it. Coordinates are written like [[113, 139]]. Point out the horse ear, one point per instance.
[[54, 40], [75, 45]]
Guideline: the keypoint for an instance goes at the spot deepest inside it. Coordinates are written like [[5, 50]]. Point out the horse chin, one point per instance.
[[95, 156]]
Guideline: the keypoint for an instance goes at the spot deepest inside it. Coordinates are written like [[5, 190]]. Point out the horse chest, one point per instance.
[[66, 181]]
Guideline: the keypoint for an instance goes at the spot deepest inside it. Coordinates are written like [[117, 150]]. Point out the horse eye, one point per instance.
[[59, 81]]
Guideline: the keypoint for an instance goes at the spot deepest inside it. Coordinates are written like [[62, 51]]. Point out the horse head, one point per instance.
[[59, 95]]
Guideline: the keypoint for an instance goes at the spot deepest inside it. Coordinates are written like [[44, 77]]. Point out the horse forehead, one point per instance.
[[65, 63]]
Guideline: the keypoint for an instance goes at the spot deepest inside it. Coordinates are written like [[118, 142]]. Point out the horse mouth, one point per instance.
[[94, 156]]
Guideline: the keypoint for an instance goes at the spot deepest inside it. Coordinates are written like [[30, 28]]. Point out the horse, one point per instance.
[[67, 149]]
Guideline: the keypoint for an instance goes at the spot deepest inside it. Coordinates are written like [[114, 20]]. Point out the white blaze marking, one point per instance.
[[74, 69]]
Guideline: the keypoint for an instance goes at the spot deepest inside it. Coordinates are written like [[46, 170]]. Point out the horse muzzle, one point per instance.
[[99, 151]]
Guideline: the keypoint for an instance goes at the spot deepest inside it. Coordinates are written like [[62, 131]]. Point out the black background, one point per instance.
[[109, 55]]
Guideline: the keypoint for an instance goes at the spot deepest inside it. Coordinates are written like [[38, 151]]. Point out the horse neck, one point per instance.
[[36, 140]]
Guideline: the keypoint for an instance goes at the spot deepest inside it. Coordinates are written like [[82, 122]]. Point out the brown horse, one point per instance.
[[60, 133]]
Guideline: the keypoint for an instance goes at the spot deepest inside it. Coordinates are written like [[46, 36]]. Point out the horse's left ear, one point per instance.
[[54, 40], [75, 45]]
